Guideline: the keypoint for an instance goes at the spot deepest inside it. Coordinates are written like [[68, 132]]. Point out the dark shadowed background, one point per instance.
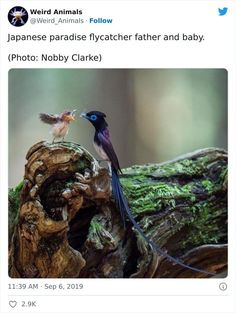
[[153, 114]]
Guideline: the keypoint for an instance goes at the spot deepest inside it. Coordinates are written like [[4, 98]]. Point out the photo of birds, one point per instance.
[[104, 148], [59, 122], [117, 174]]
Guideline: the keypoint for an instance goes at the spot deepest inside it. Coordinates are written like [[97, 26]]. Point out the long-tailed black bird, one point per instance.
[[105, 150]]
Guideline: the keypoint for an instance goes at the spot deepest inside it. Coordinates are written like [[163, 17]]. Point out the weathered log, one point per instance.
[[67, 225]]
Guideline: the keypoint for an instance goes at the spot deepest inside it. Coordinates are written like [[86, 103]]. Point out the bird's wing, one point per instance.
[[49, 118], [104, 138]]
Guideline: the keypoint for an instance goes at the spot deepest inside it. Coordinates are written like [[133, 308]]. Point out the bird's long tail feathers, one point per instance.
[[123, 205]]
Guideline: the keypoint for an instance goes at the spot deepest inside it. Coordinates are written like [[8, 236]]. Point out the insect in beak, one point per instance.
[[72, 115], [84, 115]]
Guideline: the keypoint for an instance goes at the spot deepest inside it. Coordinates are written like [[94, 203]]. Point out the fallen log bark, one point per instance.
[[66, 223]]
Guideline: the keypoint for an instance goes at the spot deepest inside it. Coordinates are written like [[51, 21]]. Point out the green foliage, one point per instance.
[[205, 227], [98, 236], [154, 196], [184, 188], [14, 202]]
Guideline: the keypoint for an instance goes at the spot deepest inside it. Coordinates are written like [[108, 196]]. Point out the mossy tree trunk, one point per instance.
[[66, 223]]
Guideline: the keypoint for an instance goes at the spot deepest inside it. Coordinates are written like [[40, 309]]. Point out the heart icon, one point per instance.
[[12, 304]]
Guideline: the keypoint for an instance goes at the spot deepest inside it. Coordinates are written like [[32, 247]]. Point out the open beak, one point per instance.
[[71, 118], [72, 115]]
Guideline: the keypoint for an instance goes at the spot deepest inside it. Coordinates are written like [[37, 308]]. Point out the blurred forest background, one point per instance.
[[153, 114]]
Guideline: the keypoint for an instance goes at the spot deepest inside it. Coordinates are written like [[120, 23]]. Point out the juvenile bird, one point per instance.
[[105, 150], [60, 123]]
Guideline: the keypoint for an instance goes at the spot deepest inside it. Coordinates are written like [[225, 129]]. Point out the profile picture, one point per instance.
[[18, 16]]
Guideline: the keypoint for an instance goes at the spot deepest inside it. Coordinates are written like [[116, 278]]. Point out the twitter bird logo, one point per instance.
[[222, 11]]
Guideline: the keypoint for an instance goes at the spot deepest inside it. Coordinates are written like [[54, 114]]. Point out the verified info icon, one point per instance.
[[18, 16], [222, 11]]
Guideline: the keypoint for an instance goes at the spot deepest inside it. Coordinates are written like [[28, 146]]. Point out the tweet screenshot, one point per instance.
[[117, 127]]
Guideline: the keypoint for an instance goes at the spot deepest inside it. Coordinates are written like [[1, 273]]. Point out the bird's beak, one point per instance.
[[84, 115], [72, 115]]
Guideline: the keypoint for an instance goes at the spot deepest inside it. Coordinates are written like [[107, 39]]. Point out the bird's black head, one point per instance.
[[96, 118]]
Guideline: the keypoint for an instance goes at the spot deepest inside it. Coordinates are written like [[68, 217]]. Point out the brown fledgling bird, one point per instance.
[[60, 123]]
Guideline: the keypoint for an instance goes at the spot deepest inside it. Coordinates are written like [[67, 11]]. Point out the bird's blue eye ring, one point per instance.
[[93, 117]]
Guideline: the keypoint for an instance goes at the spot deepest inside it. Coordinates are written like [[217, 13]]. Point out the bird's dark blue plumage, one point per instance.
[[105, 142], [106, 151]]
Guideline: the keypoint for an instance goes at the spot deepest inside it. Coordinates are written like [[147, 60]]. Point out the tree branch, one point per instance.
[[66, 223]]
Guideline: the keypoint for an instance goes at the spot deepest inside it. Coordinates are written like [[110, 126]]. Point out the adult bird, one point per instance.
[[60, 123], [105, 150]]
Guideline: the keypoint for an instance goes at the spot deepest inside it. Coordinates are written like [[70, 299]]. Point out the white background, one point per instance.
[[130, 17]]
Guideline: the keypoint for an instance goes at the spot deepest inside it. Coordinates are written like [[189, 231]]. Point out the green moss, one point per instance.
[[140, 170], [155, 196], [146, 222], [208, 185], [184, 167], [204, 225], [95, 227], [19, 187], [224, 177], [14, 202], [98, 236], [94, 236], [184, 185]]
